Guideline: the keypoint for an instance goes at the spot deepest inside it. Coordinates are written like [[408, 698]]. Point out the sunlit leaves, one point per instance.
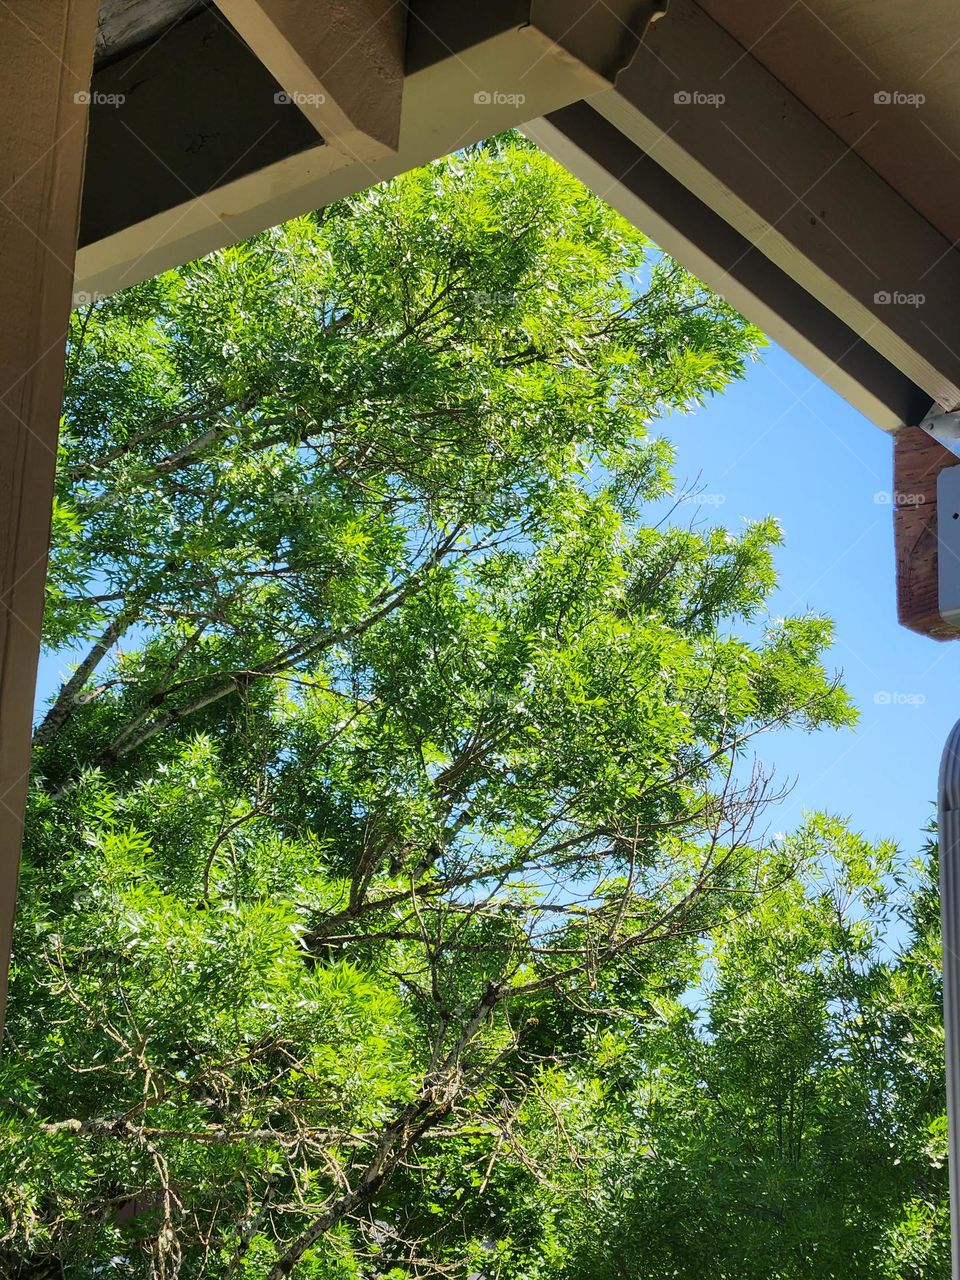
[[376, 846]]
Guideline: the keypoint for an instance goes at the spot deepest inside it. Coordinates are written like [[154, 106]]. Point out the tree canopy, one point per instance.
[[394, 902]]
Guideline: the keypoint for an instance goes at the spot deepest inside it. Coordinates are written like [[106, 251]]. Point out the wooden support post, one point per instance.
[[917, 461], [45, 67]]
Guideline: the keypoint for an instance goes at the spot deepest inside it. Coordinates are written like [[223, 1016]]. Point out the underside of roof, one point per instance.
[[790, 154], [126, 26], [799, 157]]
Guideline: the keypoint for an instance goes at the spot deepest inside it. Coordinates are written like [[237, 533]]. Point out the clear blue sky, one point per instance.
[[781, 443]]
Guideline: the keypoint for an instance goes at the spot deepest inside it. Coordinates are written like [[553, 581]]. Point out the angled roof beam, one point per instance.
[[341, 64], [719, 122], [469, 72], [689, 230]]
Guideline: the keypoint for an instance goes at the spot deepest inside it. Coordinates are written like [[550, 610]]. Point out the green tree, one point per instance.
[[795, 1125], [402, 764]]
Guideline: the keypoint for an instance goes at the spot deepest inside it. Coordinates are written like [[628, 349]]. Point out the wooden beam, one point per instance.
[[126, 25], [341, 64], [191, 111], [719, 122], [463, 65], [604, 37], [684, 226], [917, 461], [44, 82]]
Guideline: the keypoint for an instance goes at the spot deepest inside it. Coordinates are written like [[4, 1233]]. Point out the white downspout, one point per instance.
[[949, 838]]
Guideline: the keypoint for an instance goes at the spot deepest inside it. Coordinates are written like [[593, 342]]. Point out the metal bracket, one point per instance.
[[944, 426]]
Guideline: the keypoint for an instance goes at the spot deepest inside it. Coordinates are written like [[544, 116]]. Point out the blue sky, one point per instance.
[[781, 443]]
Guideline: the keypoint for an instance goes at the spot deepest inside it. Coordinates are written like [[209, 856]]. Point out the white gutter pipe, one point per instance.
[[949, 837]]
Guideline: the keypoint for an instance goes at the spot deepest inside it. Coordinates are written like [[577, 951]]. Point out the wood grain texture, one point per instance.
[[126, 25], [197, 110], [608, 162], [917, 461], [716, 119], [837, 56], [341, 62], [44, 84]]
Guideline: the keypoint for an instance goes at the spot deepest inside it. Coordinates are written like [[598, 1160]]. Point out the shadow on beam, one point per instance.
[[684, 226]]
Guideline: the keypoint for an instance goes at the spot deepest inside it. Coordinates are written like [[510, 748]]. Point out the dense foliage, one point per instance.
[[796, 1126], [391, 904]]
